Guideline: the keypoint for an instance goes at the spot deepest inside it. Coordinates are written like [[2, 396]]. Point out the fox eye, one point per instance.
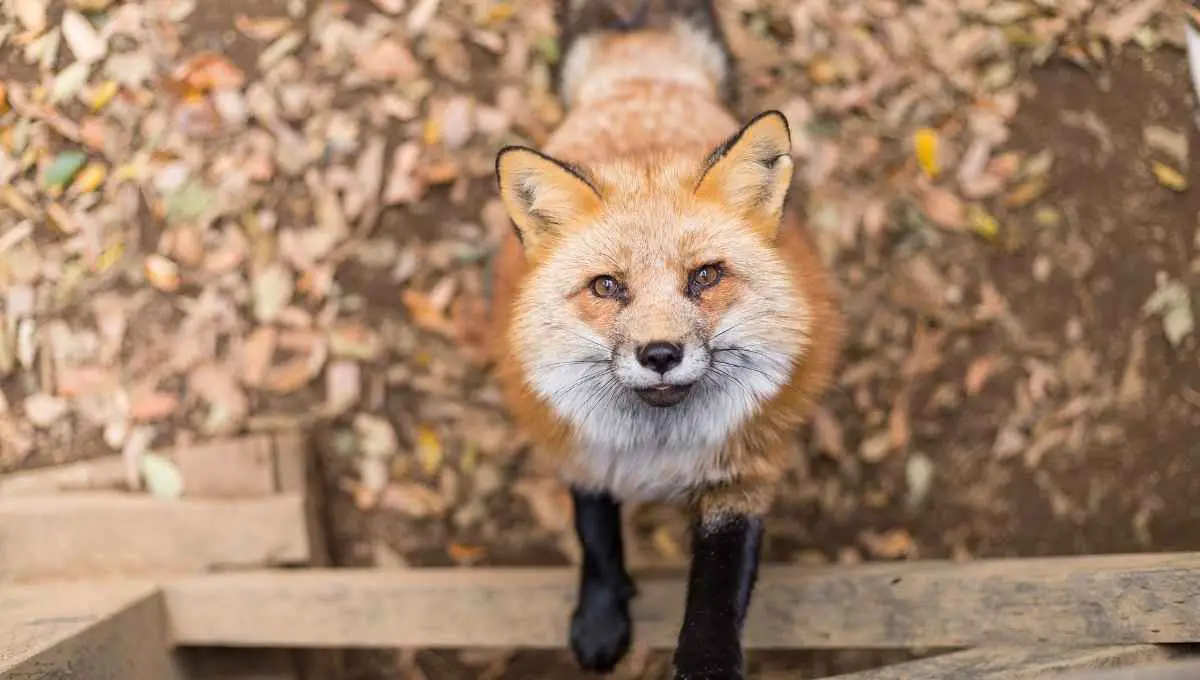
[[704, 277], [605, 286]]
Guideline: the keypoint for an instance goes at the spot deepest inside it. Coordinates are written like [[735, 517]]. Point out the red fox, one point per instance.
[[662, 323]]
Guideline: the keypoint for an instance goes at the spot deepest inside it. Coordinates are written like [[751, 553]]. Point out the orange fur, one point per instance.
[[640, 143]]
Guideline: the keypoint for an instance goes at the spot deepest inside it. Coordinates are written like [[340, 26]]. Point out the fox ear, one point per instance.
[[544, 197], [751, 171]]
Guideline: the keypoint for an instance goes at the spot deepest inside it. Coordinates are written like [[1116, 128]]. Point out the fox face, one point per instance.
[[657, 316]]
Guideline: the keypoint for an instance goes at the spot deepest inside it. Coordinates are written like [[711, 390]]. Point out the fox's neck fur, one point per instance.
[[644, 110]]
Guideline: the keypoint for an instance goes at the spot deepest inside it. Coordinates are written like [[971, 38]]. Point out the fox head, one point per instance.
[[657, 311]]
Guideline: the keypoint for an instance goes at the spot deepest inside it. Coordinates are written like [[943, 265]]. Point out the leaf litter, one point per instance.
[[306, 226]]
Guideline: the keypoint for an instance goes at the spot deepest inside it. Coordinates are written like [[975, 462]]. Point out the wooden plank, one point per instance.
[[1178, 670], [97, 631], [241, 466], [1016, 663], [1099, 600], [104, 533], [106, 472], [231, 468]]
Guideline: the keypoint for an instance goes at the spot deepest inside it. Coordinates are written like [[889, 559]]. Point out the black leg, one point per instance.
[[600, 626], [721, 579]]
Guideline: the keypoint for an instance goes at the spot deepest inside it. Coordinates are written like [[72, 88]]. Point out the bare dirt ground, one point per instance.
[[295, 230]]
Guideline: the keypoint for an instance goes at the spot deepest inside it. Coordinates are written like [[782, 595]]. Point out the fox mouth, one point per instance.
[[663, 396]]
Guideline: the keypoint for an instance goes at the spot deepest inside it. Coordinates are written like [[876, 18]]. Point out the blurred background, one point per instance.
[[220, 217]]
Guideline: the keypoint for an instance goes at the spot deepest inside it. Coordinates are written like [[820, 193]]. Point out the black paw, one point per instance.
[[716, 656], [600, 630], [707, 675]]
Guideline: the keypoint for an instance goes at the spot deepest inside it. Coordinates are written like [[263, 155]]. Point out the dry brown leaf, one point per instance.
[[414, 500], [147, 405], [227, 404], [979, 372], [207, 71], [890, 544], [257, 353], [162, 273], [83, 40], [899, 427], [943, 208], [403, 183], [76, 381], [343, 386], [388, 59], [827, 433]]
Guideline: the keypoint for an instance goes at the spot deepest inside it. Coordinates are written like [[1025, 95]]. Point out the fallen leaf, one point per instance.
[[147, 405], [353, 341], [162, 273], [412, 499], [76, 381], [276, 51], [979, 371], [876, 447], [90, 178], [343, 386], [376, 436], [981, 222], [918, 475], [83, 40], [1169, 142], [70, 81], [943, 208], [272, 290], [161, 476], [1173, 302], [207, 71], [899, 427], [403, 184], [466, 554], [1132, 389], [390, 6], [1169, 177], [429, 449], [925, 146], [44, 410], [889, 544], [218, 388], [31, 14], [63, 169], [257, 351]]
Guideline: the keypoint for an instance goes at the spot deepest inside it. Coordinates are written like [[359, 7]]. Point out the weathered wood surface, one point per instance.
[[1099, 600], [90, 534], [1014, 663], [97, 631], [1187, 669], [241, 466]]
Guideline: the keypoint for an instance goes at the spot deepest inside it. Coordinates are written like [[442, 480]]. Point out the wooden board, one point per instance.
[[106, 533], [1177, 670], [231, 468], [241, 466], [97, 631], [1099, 600], [1014, 663]]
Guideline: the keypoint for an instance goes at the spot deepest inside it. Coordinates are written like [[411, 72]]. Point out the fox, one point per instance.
[[663, 324]]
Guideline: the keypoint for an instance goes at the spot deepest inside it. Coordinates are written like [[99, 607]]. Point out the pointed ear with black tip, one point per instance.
[[751, 172], [544, 198]]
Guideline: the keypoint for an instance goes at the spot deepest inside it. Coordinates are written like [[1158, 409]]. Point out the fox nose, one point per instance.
[[660, 356]]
